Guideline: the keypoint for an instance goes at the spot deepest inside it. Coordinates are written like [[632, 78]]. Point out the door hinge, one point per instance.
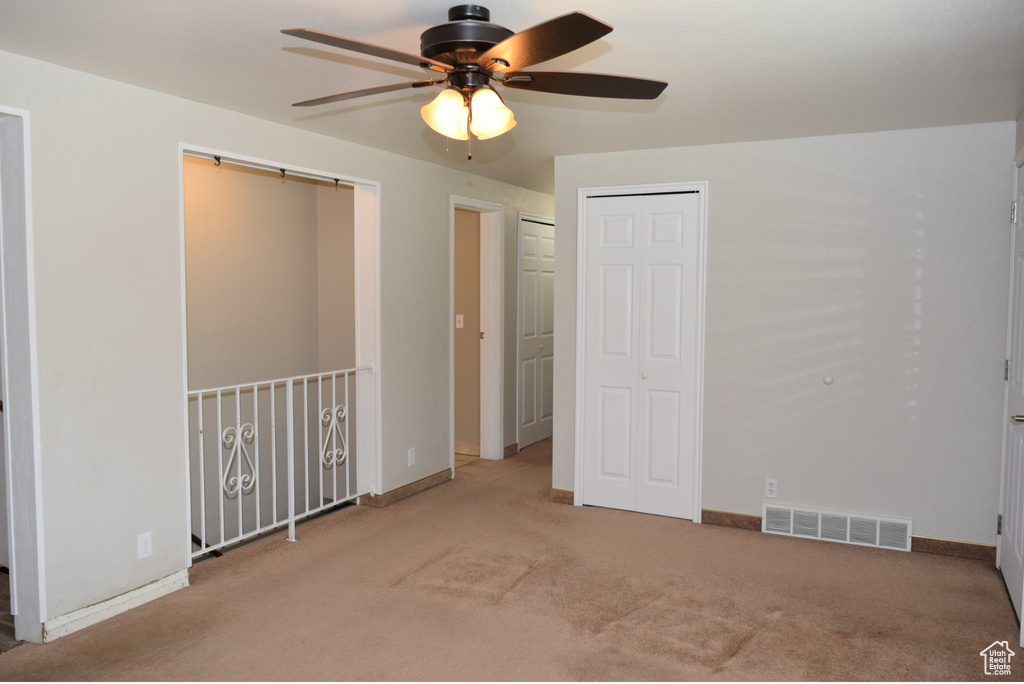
[[999, 524], [1006, 370], [1013, 212]]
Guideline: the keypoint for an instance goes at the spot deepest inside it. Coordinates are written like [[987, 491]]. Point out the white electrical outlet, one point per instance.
[[771, 488], [145, 545], [412, 456]]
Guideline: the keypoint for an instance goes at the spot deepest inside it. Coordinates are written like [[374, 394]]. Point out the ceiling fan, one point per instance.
[[468, 53]]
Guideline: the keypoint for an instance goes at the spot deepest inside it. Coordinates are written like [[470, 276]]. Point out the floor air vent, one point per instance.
[[865, 530]]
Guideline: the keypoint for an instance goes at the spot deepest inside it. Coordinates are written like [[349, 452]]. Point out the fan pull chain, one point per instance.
[[469, 125]]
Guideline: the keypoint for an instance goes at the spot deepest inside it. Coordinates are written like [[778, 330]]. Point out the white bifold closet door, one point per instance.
[[640, 387]]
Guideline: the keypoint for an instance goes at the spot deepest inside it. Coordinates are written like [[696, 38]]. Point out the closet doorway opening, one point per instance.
[[640, 348]]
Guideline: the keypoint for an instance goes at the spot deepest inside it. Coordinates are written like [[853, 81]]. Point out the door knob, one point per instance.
[[1017, 419], [643, 376]]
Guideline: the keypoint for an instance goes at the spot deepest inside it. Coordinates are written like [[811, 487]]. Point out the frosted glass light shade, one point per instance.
[[491, 117], [448, 114]]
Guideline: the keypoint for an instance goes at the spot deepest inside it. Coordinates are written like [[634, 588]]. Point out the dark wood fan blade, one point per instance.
[[544, 41], [368, 49], [588, 85], [365, 91]]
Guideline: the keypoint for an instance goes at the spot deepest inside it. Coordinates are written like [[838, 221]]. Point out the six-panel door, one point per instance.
[[640, 399], [536, 329]]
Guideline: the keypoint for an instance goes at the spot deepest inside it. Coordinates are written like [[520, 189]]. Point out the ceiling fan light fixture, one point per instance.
[[468, 52], [448, 114], [508, 128], [491, 117]]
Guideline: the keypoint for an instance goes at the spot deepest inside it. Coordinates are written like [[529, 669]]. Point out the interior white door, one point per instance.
[[642, 279], [536, 328], [1011, 540]]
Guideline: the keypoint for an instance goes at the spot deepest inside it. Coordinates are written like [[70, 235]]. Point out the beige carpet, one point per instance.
[[464, 459], [484, 578]]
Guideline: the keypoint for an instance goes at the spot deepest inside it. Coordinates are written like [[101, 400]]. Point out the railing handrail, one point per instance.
[[260, 383], [241, 483]]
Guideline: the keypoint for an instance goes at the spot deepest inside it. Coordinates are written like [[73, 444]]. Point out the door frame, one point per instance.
[[519, 307], [366, 237], [492, 310], [1018, 173], [582, 195], [22, 452]]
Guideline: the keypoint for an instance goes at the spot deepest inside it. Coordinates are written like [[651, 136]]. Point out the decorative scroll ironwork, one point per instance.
[[332, 420], [243, 482]]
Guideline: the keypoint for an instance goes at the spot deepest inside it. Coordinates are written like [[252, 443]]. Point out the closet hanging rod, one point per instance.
[[283, 173]]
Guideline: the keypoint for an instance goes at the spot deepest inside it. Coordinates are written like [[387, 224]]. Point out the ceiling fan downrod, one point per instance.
[[467, 35]]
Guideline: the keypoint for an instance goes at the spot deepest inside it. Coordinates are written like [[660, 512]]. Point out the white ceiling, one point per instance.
[[737, 69]]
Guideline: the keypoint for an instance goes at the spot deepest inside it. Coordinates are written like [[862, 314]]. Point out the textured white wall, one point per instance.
[[879, 258], [106, 187]]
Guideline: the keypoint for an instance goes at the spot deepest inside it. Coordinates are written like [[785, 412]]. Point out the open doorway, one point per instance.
[[282, 323], [488, 218], [22, 511], [466, 275]]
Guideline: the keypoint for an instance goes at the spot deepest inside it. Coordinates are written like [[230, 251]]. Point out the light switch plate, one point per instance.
[[459, 323]]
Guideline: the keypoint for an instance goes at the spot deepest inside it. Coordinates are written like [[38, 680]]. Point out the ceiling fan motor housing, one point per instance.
[[467, 34], [469, 51]]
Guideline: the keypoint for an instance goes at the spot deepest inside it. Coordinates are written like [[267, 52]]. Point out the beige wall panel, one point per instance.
[[467, 338], [336, 291], [250, 273]]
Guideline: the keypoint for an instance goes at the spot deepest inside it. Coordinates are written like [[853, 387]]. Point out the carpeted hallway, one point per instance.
[[484, 578]]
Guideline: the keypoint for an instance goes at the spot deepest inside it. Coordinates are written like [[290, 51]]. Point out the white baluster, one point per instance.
[[290, 403]]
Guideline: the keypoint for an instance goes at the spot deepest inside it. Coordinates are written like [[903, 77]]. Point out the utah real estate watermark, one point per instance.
[[997, 658]]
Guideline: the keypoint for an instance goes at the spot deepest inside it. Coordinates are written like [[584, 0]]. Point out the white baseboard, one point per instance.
[[63, 625]]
